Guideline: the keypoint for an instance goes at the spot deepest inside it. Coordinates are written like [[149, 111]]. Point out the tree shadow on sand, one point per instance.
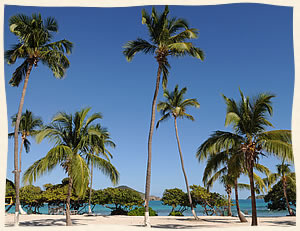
[[47, 222]]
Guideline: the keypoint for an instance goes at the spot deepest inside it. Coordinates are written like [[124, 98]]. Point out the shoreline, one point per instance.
[[128, 222]]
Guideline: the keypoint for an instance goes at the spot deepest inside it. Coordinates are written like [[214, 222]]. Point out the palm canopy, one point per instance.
[[283, 173], [98, 141], [70, 134], [228, 166], [249, 120], [35, 35], [168, 37], [29, 126], [175, 105]]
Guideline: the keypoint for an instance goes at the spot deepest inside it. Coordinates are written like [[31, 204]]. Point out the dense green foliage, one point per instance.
[[31, 197], [177, 199], [140, 211], [57, 195], [10, 189], [122, 199], [275, 197], [211, 202]]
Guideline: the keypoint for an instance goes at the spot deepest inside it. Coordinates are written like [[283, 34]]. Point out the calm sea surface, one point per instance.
[[164, 210]]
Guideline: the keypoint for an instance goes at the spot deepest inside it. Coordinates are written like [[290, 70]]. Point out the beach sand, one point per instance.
[[133, 222]]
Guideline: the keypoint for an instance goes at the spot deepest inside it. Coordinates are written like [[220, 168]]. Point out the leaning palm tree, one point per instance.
[[29, 126], [227, 167], [285, 175], [168, 37], [34, 35], [249, 120], [98, 145], [69, 134], [176, 106]]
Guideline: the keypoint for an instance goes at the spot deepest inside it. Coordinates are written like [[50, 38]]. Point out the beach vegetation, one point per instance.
[[169, 37], [97, 145], [176, 106], [120, 201], [69, 134], [249, 118], [10, 189], [31, 198], [213, 203], [227, 167], [177, 199], [34, 46], [29, 126], [283, 194], [140, 211]]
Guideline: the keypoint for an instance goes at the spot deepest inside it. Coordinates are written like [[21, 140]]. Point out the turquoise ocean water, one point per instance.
[[164, 210]]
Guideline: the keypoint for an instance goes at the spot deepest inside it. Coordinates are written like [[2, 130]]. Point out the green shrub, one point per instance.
[[141, 212], [119, 211], [176, 213]]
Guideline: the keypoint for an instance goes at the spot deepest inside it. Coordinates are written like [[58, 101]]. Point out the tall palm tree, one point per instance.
[[28, 127], [98, 145], [249, 120], [34, 35], [284, 174], [175, 105], [168, 37], [70, 133]]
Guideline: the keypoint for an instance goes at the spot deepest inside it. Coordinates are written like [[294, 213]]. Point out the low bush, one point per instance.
[[140, 211], [176, 213]]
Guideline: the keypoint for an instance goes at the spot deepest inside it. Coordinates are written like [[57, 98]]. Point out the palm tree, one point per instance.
[[97, 145], [284, 174], [70, 134], [249, 120], [164, 41], [28, 127], [175, 105], [34, 35], [228, 166]]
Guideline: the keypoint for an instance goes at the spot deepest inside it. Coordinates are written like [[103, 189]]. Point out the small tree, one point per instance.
[[275, 197], [211, 202], [176, 197], [122, 199], [56, 195], [31, 198]]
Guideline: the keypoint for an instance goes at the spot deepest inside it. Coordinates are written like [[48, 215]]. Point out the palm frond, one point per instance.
[[138, 45]]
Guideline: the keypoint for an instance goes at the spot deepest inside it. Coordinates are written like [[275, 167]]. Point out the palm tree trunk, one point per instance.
[[20, 154], [90, 196], [229, 204], [286, 198], [148, 174], [241, 217], [183, 170], [253, 200], [16, 170], [68, 217]]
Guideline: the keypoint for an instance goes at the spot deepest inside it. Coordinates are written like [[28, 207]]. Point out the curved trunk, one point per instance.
[[253, 201], [183, 170], [148, 174], [241, 216], [229, 202], [16, 168], [68, 217], [286, 198], [90, 196]]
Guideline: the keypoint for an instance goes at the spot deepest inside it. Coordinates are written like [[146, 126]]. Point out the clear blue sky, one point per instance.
[[246, 45]]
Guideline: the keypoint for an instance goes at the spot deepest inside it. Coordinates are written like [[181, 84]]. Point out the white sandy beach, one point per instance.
[[131, 222]]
